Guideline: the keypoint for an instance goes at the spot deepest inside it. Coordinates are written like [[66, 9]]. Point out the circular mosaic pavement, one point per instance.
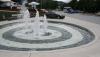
[[60, 35]]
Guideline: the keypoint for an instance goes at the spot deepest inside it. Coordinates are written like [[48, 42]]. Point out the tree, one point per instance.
[[91, 6], [87, 5], [47, 4], [98, 5], [73, 4]]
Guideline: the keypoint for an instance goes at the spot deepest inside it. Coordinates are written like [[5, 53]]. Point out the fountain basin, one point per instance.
[[65, 35]]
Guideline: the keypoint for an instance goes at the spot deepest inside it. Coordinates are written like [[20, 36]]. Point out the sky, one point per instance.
[[65, 0]]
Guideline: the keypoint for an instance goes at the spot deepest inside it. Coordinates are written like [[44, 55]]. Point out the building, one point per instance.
[[20, 1]]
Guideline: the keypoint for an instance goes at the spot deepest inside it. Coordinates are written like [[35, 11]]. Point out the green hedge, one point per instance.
[[6, 15]]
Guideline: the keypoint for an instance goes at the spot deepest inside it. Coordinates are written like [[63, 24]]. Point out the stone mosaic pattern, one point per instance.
[[88, 36]]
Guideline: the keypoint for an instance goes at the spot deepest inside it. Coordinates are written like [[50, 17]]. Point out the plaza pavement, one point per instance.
[[89, 50], [82, 16]]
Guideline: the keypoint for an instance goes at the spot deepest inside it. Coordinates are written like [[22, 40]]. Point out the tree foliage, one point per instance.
[[73, 4], [86, 5], [47, 4]]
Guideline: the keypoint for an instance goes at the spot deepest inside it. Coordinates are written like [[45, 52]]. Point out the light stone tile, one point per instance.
[[13, 54], [90, 50]]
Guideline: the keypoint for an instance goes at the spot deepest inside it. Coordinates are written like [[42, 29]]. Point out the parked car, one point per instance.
[[53, 15], [70, 10]]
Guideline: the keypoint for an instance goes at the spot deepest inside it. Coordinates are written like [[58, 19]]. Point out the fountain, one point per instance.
[[38, 34], [40, 27]]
